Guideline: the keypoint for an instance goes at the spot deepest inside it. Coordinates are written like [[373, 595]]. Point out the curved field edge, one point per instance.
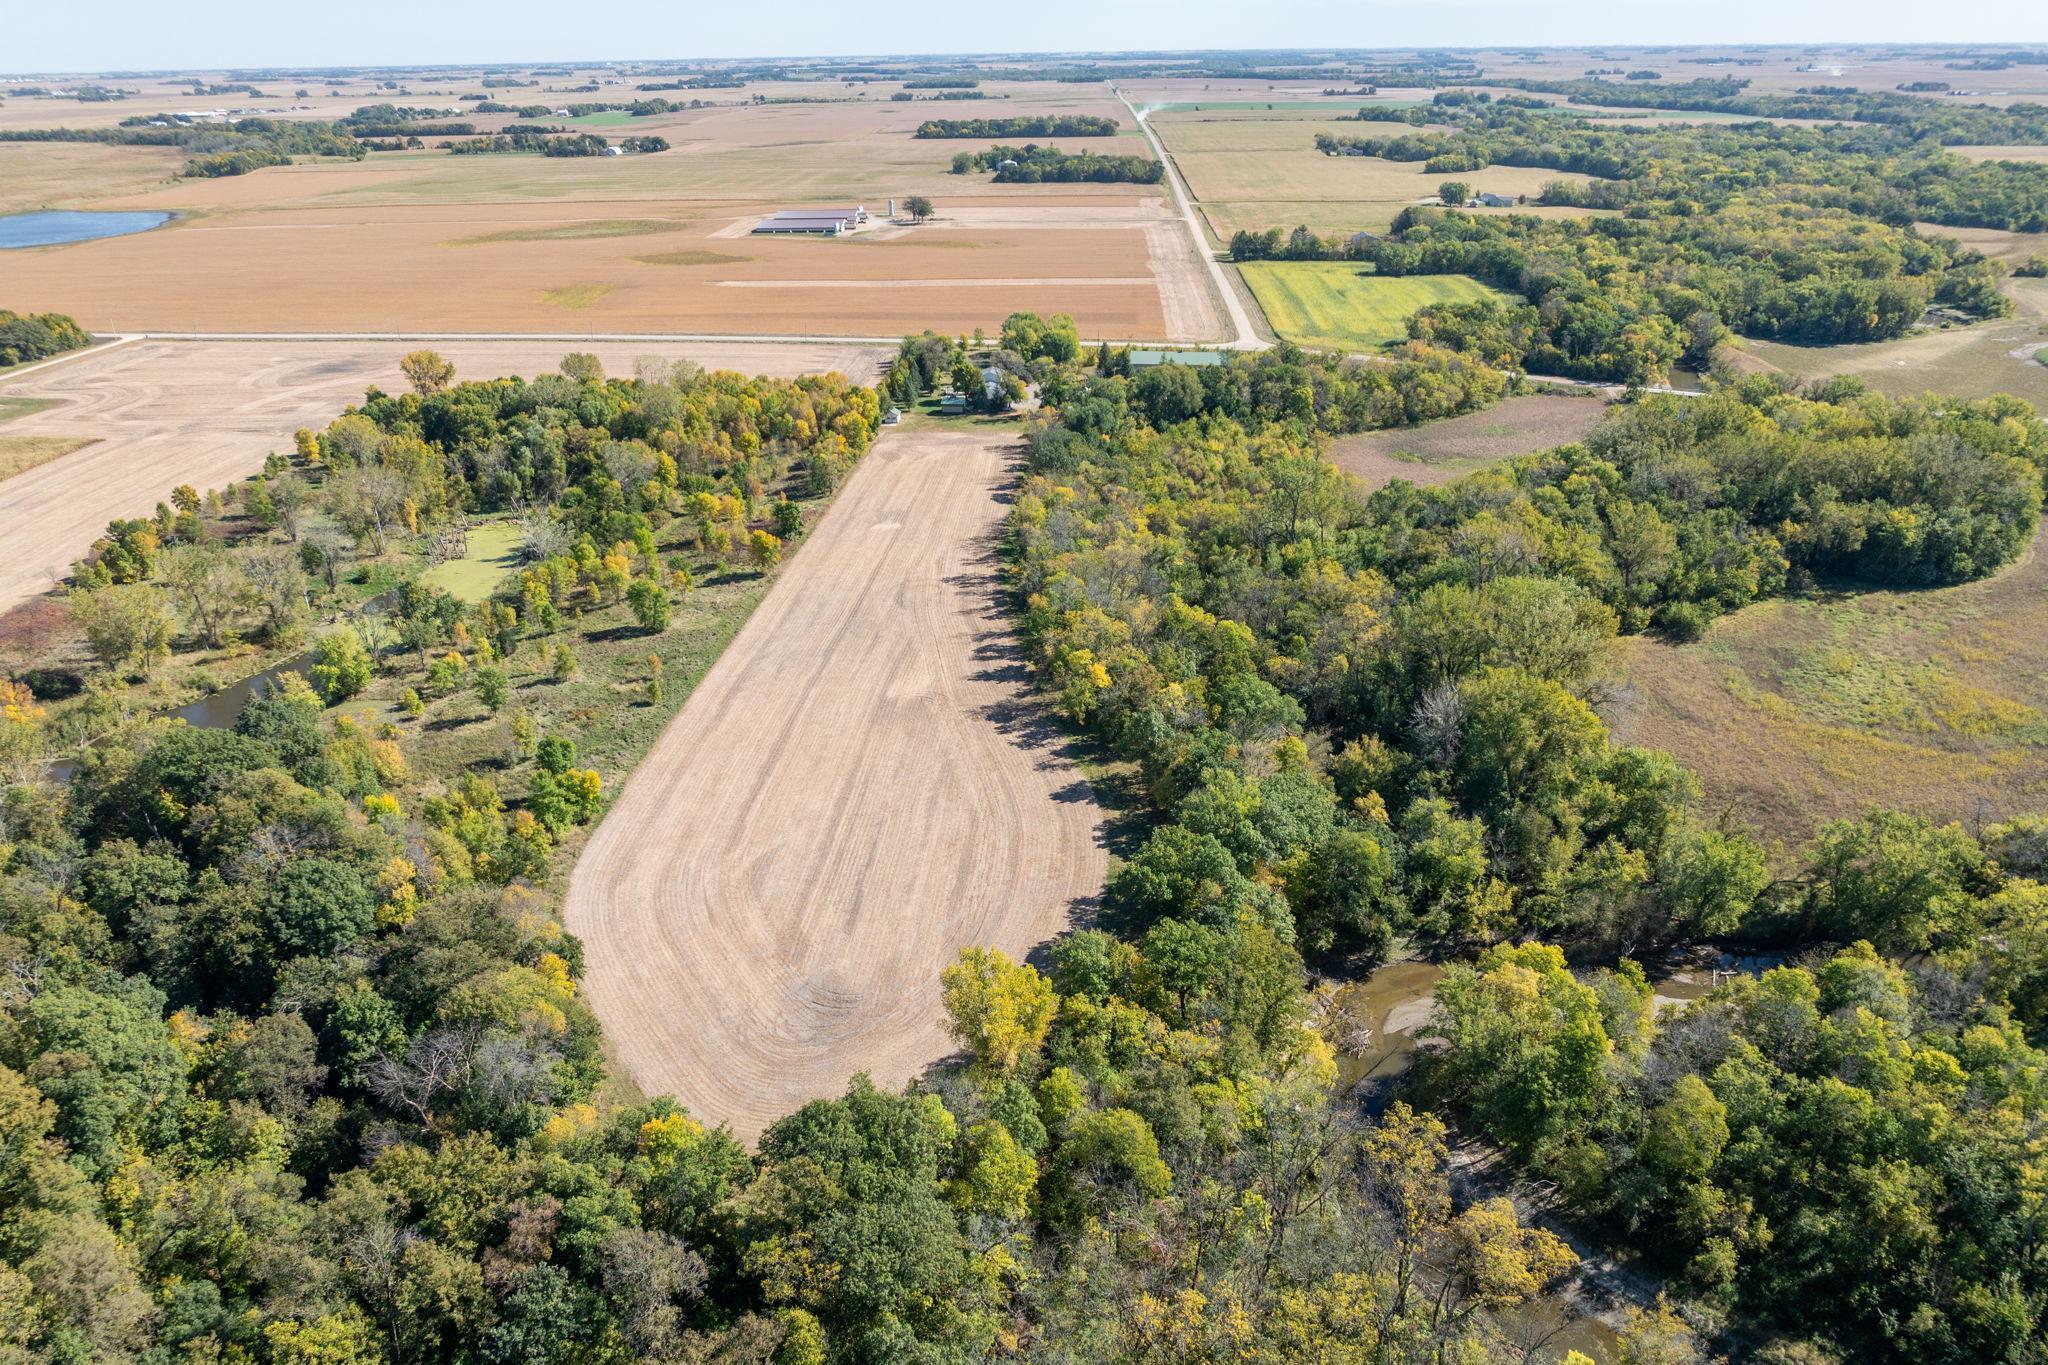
[[861, 786]]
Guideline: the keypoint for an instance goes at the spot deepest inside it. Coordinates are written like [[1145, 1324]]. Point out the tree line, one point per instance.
[[1032, 164], [1023, 125], [37, 336]]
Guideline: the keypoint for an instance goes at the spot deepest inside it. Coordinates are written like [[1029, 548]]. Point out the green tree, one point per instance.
[[649, 605], [341, 666]]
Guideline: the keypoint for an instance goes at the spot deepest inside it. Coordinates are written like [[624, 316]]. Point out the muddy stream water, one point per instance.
[[1376, 1024]]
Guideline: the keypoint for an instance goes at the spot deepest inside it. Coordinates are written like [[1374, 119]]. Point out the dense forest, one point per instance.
[[36, 336], [1365, 721]]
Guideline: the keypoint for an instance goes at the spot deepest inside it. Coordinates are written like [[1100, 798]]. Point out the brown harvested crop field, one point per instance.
[[1438, 452], [1801, 710], [1253, 172], [427, 241], [36, 175], [861, 786], [162, 413]]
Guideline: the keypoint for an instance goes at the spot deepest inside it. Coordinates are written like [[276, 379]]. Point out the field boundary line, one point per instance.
[[113, 342]]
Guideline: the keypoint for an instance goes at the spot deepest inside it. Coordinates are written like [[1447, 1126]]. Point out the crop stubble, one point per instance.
[[861, 786]]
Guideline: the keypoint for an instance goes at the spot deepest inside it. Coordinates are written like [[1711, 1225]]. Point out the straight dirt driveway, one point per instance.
[[166, 413], [861, 786]]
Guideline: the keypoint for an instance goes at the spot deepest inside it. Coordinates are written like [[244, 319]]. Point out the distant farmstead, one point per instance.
[[814, 222]]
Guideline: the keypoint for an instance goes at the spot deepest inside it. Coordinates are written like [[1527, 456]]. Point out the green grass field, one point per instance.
[[11, 408], [1336, 304], [493, 553], [608, 118]]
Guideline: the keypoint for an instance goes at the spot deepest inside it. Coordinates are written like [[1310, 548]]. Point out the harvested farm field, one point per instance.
[[423, 240], [537, 267], [861, 786], [162, 413], [1252, 170], [1438, 452]]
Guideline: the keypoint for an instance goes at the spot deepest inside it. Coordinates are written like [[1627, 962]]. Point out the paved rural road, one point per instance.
[[861, 786], [1246, 337]]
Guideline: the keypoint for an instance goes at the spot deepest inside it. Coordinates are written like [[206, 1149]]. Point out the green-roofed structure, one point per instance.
[[1145, 360]]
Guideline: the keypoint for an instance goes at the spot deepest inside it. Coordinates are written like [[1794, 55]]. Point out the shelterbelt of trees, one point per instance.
[[1366, 719], [1021, 125], [1884, 172], [37, 336], [1032, 164]]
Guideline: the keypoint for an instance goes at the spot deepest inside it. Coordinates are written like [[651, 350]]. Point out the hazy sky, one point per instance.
[[113, 35]]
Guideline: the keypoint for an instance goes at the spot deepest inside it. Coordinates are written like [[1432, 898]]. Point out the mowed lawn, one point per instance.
[[1338, 304]]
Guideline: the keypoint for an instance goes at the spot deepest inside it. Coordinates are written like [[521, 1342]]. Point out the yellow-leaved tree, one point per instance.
[[1000, 1010]]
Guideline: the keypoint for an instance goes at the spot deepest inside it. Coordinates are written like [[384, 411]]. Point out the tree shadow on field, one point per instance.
[[1022, 716]]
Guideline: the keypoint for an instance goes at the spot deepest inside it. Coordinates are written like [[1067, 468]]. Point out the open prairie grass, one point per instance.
[[1970, 361], [1437, 452], [19, 454], [1812, 708], [1339, 304]]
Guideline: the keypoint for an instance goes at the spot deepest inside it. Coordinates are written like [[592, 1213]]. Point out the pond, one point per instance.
[[219, 710], [54, 227]]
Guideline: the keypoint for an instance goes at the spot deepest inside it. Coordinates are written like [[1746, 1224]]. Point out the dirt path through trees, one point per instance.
[[860, 787]]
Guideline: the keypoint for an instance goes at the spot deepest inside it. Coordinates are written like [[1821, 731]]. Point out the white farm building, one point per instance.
[[814, 222]]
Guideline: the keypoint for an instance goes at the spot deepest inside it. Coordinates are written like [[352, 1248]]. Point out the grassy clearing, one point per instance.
[[492, 553], [19, 454], [604, 118], [691, 258], [1338, 304], [1973, 361], [576, 295], [1438, 452], [1807, 709], [11, 408], [575, 232]]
